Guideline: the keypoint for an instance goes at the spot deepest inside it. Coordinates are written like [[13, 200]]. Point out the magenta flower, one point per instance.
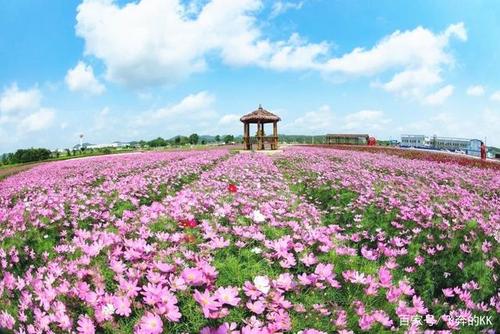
[[85, 325], [207, 302], [193, 276], [150, 323], [227, 295], [256, 307], [385, 277], [122, 306]]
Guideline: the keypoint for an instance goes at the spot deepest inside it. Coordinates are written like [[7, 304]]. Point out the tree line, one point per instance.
[[26, 155]]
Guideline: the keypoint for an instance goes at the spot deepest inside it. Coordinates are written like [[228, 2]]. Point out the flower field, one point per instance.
[[312, 240]]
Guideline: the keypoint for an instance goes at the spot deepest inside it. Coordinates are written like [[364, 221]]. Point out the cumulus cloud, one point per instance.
[[365, 120], [495, 96], [476, 90], [440, 96], [37, 120], [21, 113], [281, 7], [321, 119], [81, 78], [13, 99], [152, 42], [194, 108], [229, 119]]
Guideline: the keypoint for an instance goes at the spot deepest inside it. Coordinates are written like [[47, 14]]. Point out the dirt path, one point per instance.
[[6, 172]]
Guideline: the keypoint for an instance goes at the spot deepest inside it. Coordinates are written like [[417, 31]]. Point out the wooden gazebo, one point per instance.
[[260, 117]]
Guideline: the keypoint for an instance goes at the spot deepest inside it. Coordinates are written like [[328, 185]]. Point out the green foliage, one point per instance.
[[194, 138], [158, 142], [101, 262], [192, 320], [228, 139], [274, 233], [27, 155], [163, 225], [121, 206], [237, 265]]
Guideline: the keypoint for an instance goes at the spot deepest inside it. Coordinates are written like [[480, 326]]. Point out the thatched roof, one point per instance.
[[260, 115]]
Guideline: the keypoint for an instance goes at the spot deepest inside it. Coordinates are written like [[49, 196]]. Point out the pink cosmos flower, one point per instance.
[[341, 320], [85, 325], [228, 295], [150, 323], [256, 307], [122, 306], [369, 254], [309, 259], [193, 276], [324, 271], [385, 277], [207, 302]]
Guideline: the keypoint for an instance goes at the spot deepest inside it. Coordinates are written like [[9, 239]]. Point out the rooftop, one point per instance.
[[347, 135], [260, 115]]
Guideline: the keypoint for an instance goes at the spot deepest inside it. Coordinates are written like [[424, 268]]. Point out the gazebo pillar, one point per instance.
[[275, 135], [260, 138]]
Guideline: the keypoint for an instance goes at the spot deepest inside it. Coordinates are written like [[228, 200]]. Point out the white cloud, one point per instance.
[[365, 120], [194, 108], [417, 56], [440, 96], [495, 96], [476, 90], [153, 42], [81, 78], [320, 120], [229, 119], [281, 7], [412, 83], [13, 99], [36, 121], [198, 104], [21, 112]]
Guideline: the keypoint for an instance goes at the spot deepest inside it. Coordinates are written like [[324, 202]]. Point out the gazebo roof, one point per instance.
[[260, 115]]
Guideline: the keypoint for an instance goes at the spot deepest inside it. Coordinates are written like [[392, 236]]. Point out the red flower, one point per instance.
[[189, 223], [232, 188]]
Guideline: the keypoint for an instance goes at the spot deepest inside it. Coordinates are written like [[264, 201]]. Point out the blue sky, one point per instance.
[[129, 70]]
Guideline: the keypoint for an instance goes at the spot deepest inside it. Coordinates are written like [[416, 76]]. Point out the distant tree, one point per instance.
[[31, 154], [194, 138], [203, 142], [158, 142], [217, 138], [228, 139], [177, 140]]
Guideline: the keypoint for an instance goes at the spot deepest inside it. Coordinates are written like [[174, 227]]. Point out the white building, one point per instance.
[[414, 141], [468, 146]]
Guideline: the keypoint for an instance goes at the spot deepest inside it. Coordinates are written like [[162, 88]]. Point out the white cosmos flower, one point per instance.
[[262, 284], [109, 309], [258, 217], [256, 250]]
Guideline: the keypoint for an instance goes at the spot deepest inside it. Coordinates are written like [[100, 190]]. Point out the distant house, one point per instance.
[[347, 139]]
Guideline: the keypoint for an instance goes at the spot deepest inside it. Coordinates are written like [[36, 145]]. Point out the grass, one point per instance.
[[237, 265]]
